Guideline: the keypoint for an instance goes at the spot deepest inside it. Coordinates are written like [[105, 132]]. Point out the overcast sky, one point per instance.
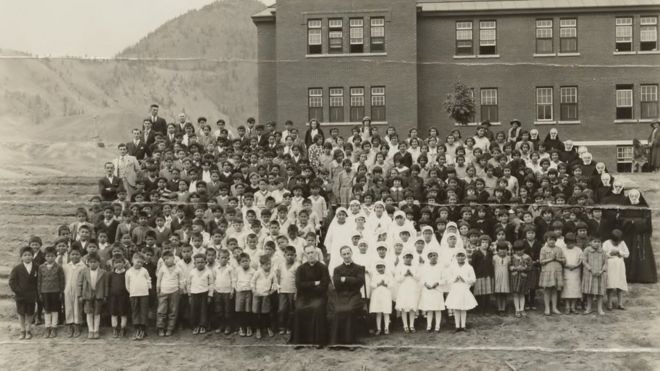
[[99, 28]]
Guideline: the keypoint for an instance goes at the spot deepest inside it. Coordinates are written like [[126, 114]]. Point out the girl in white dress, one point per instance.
[[460, 299], [407, 277], [381, 296], [616, 250], [572, 282], [431, 300]]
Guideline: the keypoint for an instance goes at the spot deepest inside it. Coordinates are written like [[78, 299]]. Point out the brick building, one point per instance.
[[591, 68]]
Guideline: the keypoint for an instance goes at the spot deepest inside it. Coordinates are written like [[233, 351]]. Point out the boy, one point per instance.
[[23, 282], [243, 289], [50, 288], [263, 285], [170, 282], [138, 283], [200, 292], [224, 282], [286, 282], [93, 292], [72, 306]]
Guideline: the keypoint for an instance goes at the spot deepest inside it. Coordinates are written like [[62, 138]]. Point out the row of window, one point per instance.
[[336, 37], [545, 36], [356, 104], [648, 98]]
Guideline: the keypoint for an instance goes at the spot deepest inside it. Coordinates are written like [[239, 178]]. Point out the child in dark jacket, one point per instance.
[[51, 288], [23, 282]]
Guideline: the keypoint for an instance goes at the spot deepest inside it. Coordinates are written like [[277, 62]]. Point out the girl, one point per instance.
[[572, 286], [345, 183], [460, 299], [431, 300], [118, 298], [50, 289], [616, 251], [594, 274], [521, 263], [407, 277], [93, 291], [482, 262], [501, 263], [381, 296], [551, 279]]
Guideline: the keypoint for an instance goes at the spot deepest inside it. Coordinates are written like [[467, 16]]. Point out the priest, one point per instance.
[[310, 319], [348, 279]]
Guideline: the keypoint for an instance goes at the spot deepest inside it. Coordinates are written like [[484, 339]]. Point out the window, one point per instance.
[[336, 104], [464, 45], [378, 103], [624, 32], [544, 36], [624, 102], [649, 99], [487, 37], [315, 103], [377, 35], [568, 35], [624, 157], [357, 35], [544, 104], [568, 103], [489, 109], [314, 44], [648, 33], [357, 104], [335, 36]]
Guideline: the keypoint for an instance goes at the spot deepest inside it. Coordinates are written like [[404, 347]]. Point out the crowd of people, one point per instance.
[[322, 238]]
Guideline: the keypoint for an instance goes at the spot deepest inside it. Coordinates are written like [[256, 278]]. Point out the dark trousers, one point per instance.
[[199, 309], [223, 310], [139, 310], [285, 308]]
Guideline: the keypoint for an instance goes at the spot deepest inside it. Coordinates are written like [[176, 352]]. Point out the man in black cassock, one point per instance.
[[310, 325], [348, 279]]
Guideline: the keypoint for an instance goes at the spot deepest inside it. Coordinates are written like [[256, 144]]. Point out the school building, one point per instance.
[[591, 68]]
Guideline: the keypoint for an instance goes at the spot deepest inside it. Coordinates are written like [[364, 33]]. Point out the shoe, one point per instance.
[[437, 331], [288, 332], [457, 330], [412, 329], [70, 331], [524, 314], [227, 331], [96, 335], [387, 331], [406, 330], [195, 331], [270, 333], [377, 333], [218, 330], [161, 332], [282, 332], [258, 333], [76, 331], [241, 332], [22, 336], [122, 333], [621, 307], [28, 335], [248, 333], [142, 334], [90, 334], [136, 336], [53, 332], [47, 332], [168, 333]]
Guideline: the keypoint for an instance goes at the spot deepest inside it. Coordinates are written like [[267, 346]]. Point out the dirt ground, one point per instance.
[[618, 340]]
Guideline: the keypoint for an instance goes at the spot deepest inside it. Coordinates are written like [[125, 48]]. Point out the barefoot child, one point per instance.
[[72, 306], [23, 282], [431, 300], [138, 283], [551, 279], [407, 277], [93, 292], [118, 300], [460, 299], [381, 296], [521, 264], [501, 263], [616, 251], [50, 289], [572, 290], [594, 274]]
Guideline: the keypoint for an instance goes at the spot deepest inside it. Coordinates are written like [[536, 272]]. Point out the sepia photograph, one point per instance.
[[329, 185]]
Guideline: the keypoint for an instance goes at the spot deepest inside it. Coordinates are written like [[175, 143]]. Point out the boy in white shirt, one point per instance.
[[223, 292], [286, 282], [263, 284], [138, 283], [170, 283], [200, 291], [243, 288]]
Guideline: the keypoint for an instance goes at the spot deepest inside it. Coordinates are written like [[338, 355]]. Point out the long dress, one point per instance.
[[572, 284], [520, 268], [616, 267], [460, 297], [551, 273], [637, 230], [431, 299], [594, 260], [381, 296], [501, 268], [310, 320], [348, 303], [407, 296]]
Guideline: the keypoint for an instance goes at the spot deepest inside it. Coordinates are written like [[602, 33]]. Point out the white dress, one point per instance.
[[381, 296], [616, 267], [408, 288], [431, 299], [460, 297], [572, 283]]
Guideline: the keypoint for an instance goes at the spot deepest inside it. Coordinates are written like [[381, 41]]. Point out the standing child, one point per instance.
[[380, 302], [551, 279], [501, 263], [407, 298], [72, 306], [93, 292], [521, 264], [200, 290], [460, 299], [616, 251], [594, 274], [572, 290], [170, 284], [50, 289], [138, 283], [431, 300], [118, 298], [223, 292], [243, 291], [23, 282], [482, 263], [263, 285], [286, 283]]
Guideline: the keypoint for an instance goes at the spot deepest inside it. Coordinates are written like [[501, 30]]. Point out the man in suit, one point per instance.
[[148, 134], [137, 147], [262, 138], [127, 169], [157, 123], [250, 130], [181, 125], [109, 184]]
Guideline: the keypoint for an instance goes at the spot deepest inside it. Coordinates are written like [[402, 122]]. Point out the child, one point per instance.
[[572, 290], [616, 251], [460, 299], [263, 285], [72, 306], [594, 274], [170, 284], [286, 283], [138, 283], [551, 279], [93, 291], [381, 296], [243, 308], [50, 288], [223, 292], [118, 303], [200, 290], [407, 298], [501, 263], [482, 263], [432, 300], [521, 263], [23, 282]]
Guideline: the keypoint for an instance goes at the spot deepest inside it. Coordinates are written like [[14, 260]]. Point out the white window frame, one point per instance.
[[648, 32], [356, 33], [567, 31], [489, 97], [335, 32], [625, 98], [544, 32], [624, 154], [543, 99], [488, 35], [378, 99], [624, 33], [464, 33], [648, 94], [377, 34], [314, 35], [357, 101], [568, 95]]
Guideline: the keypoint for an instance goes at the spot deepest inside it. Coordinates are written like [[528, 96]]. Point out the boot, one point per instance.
[[47, 332], [76, 331], [70, 331], [53, 332]]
